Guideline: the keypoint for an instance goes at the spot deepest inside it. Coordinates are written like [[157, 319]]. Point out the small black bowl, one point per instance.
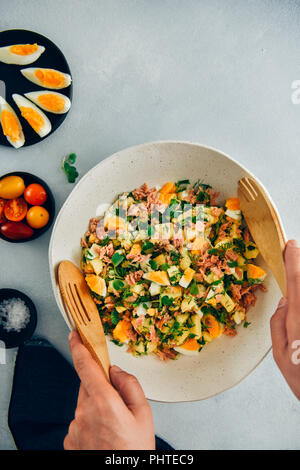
[[13, 339], [15, 82], [49, 205]]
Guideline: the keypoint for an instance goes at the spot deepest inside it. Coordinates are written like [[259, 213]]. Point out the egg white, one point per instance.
[[34, 95], [21, 101], [104, 292], [186, 352], [29, 74], [234, 214], [8, 57], [5, 106]]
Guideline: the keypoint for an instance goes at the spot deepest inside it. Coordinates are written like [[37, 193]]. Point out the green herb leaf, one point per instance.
[[104, 241], [72, 158], [239, 245], [147, 247], [175, 256], [194, 288], [165, 300], [183, 182], [153, 264], [165, 267], [67, 167], [151, 231], [118, 285], [232, 264], [117, 259], [114, 317]]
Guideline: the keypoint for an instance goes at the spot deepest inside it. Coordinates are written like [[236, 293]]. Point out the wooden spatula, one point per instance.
[[264, 226], [79, 303]]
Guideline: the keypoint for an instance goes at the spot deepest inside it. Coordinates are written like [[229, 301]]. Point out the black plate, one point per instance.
[[15, 82], [49, 205], [13, 339]]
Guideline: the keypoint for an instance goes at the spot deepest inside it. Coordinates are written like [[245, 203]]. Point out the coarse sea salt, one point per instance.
[[14, 314]]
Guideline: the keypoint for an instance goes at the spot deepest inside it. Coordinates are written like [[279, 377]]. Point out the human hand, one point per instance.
[[285, 323], [107, 417]]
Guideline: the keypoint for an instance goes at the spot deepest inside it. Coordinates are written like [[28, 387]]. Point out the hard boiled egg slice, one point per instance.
[[159, 277], [50, 101], [33, 115], [21, 54], [47, 78], [186, 277], [11, 125], [189, 348], [255, 272], [120, 332], [96, 284], [141, 310]]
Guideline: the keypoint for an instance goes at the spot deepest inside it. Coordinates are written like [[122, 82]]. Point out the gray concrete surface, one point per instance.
[[210, 71]]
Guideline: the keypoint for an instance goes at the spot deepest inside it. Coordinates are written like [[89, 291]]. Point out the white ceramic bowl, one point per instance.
[[224, 362]]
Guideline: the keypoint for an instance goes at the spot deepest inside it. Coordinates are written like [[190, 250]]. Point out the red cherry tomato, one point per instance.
[[16, 230], [15, 209], [2, 204], [35, 194]]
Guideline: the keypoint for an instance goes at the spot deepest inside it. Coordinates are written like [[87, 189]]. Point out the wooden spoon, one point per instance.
[[265, 227], [79, 303]]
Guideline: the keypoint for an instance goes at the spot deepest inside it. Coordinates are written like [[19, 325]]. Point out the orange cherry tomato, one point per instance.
[[2, 204], [15, 209], [37, 217], [11, 187], [35, 194]]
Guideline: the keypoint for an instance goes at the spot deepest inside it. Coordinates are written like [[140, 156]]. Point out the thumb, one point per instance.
[[129, 389]]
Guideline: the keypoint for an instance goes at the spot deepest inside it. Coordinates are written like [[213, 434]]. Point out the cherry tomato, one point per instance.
[[15, 209], [2, 204], [35, 194], [37, 217], [11, 187], [16, 230]]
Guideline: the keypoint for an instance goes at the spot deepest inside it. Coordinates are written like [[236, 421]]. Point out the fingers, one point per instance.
[[90, 374], [292, 265], [129, 388], [278, 328]]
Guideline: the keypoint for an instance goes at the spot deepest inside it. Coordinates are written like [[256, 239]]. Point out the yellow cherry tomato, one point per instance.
[[37, 217], [11, 187]]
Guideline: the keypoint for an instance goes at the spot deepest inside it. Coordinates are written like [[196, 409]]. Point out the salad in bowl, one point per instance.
[[170, 269]]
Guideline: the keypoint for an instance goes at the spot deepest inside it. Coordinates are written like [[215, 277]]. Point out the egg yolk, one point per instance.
[[191, 345], [52, 102], [50, 78], [33, 117], [24, 49], [10, 125]]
